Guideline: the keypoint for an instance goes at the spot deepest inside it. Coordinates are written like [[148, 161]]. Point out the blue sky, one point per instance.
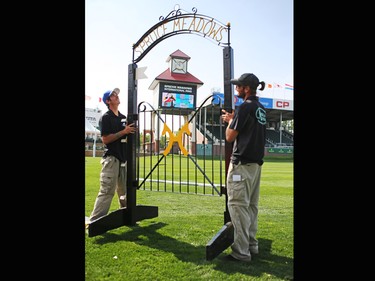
[[261, 38]]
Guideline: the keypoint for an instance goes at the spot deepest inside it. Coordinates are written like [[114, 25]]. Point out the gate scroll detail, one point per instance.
[[176, 138]]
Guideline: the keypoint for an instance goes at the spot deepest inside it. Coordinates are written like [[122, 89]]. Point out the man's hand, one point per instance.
[[226, 116], [130, 129]]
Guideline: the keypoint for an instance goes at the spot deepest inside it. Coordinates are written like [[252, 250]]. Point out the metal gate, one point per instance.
[[179, 151]]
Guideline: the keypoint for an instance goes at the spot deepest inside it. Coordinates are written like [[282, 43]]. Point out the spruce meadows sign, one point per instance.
[[178, 23]]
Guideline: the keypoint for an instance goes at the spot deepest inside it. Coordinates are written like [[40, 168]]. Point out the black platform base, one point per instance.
[[121, 217], [222, 240]]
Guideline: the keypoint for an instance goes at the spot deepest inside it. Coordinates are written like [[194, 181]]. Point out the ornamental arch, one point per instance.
[[177, 22]]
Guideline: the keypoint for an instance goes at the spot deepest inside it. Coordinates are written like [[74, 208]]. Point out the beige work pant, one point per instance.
[[112, 179], [243, 184]]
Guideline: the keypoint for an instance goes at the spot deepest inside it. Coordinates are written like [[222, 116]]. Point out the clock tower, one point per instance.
[[175, 93], [175, 89], [178, 62]]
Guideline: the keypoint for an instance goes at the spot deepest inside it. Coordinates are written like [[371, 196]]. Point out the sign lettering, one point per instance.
[[179, 23]]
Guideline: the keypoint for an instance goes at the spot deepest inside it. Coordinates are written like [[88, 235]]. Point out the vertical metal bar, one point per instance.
[[132, 117], [205, 147], [151, 152], [196, 150], [190, 152], [144, 148], [183, 143], [213, 146], [221, 145], [165, 158]]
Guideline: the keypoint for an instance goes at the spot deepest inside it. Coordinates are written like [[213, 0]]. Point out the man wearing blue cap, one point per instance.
[[114, 131]]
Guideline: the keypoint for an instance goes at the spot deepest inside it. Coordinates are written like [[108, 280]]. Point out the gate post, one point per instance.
[[131, 147], [134, 213], [225, 237], [228, 106]]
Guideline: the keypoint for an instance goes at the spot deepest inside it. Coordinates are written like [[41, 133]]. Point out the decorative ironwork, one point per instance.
[[176, 138], [176, 12]]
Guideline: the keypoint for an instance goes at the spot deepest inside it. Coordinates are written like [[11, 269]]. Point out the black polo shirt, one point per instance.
[[250, 121], [109, 123]]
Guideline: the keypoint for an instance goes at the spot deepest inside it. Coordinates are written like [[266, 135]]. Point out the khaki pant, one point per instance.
[[112, 179], [243, 184]]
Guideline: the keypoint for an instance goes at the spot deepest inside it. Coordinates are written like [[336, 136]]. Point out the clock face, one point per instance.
[[179, 65]]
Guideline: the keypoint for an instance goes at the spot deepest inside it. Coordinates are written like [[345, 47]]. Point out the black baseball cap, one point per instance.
[[246, 79]]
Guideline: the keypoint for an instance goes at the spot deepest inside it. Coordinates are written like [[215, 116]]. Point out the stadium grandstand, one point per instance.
[[280, 125]]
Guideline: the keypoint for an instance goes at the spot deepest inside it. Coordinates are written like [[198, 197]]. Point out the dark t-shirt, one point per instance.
[[109, 123], [250, 121]]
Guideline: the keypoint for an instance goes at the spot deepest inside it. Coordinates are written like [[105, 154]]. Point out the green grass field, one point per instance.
[[172, 246]]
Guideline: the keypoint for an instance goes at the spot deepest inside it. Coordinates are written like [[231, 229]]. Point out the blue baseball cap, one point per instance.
[[107, 94]]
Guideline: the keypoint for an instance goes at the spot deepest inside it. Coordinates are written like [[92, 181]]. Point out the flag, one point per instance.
[[276, 85], [100, 99], [289, 87], [269, 85]]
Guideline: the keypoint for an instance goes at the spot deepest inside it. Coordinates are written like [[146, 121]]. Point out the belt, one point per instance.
[[238, 162], [249, 163]]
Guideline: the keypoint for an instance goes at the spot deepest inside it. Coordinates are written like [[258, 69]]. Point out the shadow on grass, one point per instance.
[[263, 263]]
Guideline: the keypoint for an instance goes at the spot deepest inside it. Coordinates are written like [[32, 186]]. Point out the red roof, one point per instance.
[[179, 54], [175, 77]]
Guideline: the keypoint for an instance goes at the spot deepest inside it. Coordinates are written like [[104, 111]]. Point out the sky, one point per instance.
[[261, 37]]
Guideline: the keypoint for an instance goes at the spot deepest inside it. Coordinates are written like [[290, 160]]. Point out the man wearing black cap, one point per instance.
[[247, 129], [114, 133]]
